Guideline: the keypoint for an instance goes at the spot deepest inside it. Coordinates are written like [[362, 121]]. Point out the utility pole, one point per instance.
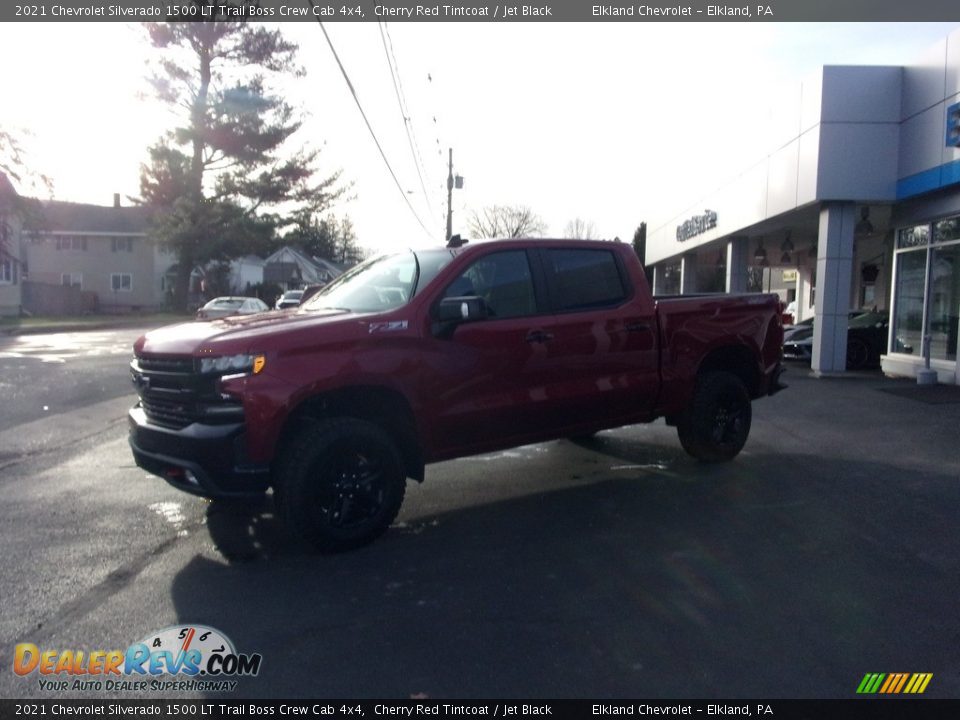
[[453, 182], [450, 197]]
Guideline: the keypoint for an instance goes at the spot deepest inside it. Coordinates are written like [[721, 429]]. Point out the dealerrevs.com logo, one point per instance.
[[180, 657]]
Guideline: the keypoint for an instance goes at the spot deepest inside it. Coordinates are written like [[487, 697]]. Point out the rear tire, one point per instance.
[[340, 484], [715, 427]]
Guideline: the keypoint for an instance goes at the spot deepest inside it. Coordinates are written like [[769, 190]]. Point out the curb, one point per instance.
[[75, 327]]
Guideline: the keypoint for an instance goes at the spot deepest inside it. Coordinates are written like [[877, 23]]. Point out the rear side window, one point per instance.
[[585, 279], [503, 280]]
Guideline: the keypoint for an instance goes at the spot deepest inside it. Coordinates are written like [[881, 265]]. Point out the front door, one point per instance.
[[488, 381]]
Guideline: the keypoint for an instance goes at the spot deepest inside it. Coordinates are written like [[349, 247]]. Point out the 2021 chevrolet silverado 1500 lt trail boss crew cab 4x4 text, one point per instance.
[[422, 356]]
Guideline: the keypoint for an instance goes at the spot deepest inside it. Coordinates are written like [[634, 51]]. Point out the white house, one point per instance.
[[291, 269]]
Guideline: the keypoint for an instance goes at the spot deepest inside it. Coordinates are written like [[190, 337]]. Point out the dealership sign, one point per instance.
[[697, 225], [953, 126]]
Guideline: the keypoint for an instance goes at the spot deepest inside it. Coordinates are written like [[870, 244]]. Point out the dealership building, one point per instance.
[[853, 203]]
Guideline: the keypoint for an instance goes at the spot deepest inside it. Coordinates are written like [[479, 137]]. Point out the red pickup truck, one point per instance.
[[422, 356]]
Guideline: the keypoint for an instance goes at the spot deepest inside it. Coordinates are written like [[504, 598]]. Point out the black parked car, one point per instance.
[[866, 340]]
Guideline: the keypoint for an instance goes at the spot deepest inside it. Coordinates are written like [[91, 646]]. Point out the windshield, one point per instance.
[[384, 283]]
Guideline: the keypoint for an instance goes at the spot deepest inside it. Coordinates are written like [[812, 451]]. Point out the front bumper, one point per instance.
[[205, 460]]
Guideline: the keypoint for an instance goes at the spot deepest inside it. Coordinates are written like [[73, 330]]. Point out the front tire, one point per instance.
[[340, 484], [715, 427]]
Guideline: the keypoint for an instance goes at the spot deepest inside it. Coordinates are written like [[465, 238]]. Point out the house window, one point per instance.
[[121, 282], [71, 242], [72, 279], [6, 272], [121, 244]]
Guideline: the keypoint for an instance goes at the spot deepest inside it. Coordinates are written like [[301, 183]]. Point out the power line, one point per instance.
[[436, 127], [402, 103], [363, 114]]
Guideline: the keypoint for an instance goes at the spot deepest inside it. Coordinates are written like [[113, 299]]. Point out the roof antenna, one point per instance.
[[456, 241]]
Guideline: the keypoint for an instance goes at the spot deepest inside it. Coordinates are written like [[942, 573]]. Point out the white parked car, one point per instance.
[[291, 298], [227, 305]]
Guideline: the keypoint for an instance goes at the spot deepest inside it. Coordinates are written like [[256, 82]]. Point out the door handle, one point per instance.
[[539, 336], [637, 326]]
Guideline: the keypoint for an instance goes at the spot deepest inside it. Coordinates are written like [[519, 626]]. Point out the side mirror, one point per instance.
[[461, 309], [454, 311]]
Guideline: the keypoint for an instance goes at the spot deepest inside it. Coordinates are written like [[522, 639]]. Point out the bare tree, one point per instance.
[[579, 229], [16, 165], [17, 169], [506, 221]]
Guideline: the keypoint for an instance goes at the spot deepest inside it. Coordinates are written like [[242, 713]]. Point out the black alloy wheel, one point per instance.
[[715, 426], [339, 484]]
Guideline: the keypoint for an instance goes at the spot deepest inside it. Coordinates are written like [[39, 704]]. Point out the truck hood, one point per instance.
[[238, 333]]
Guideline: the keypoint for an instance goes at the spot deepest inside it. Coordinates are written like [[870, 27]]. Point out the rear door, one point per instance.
[[603, 350]]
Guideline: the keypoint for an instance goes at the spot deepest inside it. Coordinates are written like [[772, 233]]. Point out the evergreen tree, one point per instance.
[[212, 178], [640, 248]]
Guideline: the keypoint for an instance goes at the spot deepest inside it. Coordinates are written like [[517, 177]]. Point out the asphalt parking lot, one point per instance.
[[610, 568], [827, 550]]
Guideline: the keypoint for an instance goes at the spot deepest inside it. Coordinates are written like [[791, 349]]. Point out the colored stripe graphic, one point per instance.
[[894, 683], [918, 683], [870, 683]]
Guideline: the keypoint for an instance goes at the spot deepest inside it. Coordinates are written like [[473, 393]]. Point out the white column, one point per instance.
[[658, 278], [803, 293], [737, 265], [834, 270], [688, 274]]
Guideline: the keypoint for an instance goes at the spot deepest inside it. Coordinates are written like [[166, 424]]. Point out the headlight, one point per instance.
[[232, 364]]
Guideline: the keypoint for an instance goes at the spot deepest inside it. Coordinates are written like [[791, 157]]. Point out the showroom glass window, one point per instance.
[[911, 264], [941, 241], [944, 312]]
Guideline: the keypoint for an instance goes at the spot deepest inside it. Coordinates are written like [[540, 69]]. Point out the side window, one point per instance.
[[585, 278], [503, 280]]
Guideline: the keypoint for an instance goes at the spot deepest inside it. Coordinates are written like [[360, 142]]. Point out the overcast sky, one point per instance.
[[614, 123]]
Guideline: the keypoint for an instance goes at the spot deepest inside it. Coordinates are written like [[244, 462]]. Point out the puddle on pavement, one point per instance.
[[173, 513]]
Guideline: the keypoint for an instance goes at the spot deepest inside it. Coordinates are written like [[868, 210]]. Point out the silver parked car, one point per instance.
[[227, 305]]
